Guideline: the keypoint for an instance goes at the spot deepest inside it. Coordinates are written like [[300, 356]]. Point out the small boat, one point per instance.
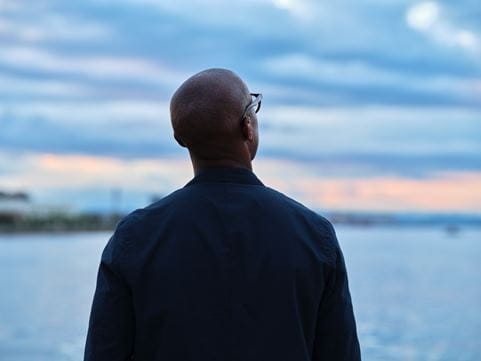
[[452, 229]]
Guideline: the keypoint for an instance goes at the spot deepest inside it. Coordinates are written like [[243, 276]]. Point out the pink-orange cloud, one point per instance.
[[449, 191]]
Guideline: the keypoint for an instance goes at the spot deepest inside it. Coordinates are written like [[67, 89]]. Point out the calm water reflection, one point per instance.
[[416, 293]]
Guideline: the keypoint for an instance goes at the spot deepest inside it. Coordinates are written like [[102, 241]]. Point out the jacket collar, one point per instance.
[[225, 175]]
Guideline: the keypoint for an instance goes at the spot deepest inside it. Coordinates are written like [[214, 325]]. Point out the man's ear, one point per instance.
[[179, 141], [247, 128]]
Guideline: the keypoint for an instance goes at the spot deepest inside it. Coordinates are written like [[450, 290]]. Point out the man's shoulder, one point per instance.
[[318, 226], [297, 207], [281, 213], [181, 200], [140, 215]]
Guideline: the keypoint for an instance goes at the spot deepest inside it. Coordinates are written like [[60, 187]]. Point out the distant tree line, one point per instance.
[[13, 222]]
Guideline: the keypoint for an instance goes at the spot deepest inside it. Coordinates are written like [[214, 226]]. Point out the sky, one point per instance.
[[368, 106]]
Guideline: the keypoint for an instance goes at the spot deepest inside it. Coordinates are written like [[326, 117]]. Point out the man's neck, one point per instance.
[[200, 164]]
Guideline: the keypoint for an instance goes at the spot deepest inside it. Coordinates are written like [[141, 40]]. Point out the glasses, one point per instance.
[[254, 104]]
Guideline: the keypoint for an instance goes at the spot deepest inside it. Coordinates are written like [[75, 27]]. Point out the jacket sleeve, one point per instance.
[[336, 335], [112, 325]]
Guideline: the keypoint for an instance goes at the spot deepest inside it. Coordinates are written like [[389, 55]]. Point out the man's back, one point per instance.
[[224, 269]]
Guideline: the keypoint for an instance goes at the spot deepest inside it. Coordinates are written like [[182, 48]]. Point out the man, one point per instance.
[[224, 268]]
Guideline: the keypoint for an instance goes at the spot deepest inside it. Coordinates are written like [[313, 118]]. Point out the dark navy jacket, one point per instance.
[[223, 269]]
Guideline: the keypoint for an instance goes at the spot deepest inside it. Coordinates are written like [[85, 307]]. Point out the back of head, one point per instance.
[[206, 110]]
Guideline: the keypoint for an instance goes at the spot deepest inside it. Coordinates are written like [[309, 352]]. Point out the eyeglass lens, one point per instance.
[[258, 105]]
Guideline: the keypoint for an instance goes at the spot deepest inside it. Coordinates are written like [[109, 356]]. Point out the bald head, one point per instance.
[[206, 110]]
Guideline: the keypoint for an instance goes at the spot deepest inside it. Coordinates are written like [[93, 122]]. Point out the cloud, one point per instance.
[[409, 140], [451, 192], [10, 5], [352, 91], [94, 112], [85, 182], [345, 76], [120, 128], [53, 27], [423, 16], [427, 17], [28, 88], [137, 179], [94, 66], [410, 131], [298, 8]]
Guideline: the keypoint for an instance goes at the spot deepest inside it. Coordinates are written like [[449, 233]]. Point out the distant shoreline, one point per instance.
[[54, 231], [61, 222], [449, 227]]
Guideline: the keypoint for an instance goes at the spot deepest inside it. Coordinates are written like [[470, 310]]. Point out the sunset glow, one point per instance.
[[448, 191]]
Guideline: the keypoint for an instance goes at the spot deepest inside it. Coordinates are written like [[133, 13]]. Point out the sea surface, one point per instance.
[[416, 292]]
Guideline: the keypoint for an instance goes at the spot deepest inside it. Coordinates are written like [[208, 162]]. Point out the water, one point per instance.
[[416, 293]]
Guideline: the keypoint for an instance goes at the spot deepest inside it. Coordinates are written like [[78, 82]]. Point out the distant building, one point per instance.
[[16, 204]]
